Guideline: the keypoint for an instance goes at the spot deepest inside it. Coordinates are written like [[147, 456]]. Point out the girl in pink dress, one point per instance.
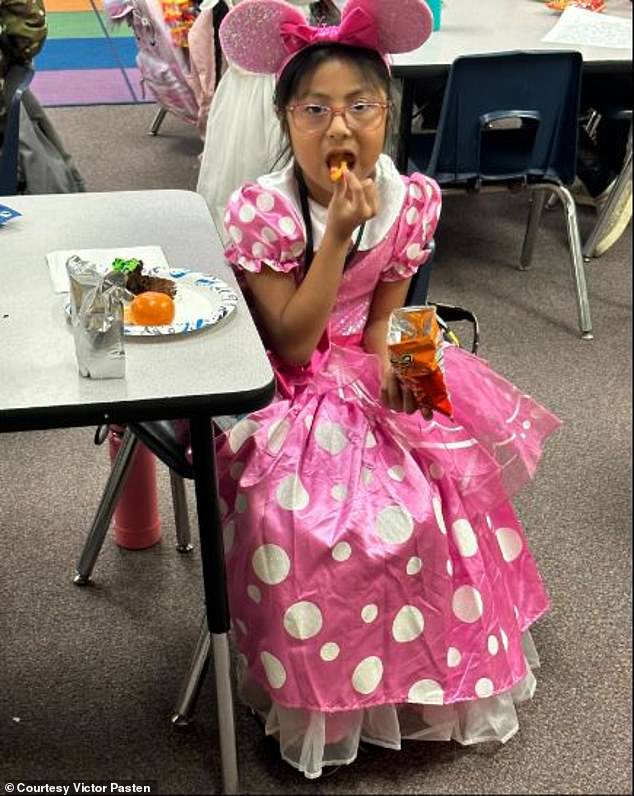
[[380, 583]]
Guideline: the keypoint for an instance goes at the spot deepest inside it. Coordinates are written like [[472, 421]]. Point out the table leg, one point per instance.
[[215, 586], [405, 125]]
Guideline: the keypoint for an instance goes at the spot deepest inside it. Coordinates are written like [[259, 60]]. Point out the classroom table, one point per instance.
[[470, 27], [216, 371]]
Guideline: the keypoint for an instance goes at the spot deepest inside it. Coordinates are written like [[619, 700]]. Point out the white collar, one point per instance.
[[390, 189]]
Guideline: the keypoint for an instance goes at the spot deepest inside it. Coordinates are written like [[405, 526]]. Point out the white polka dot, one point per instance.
[[484, 687], [453, 657], [303, 620], [436, 471], [228, 535], [331, 437], [241, 503], [329, 651], [367, 675], [222, 506], [370, 440], [369, 613], [297, 248], [254, 593], [274, 670], [415, 191], [287, 225], [234, 196], [241, 626], [487, 517], [291, 494], [366, 476], [258, 249], [437, 212], [241, 432], [394, 525], [265, 202], [449, 568], [271, 564], [308, 421], [493, 645], [426, 692], [268, 234], [464, 537], [411, 215], [526, 424], [339, 492], [246, 213], [413, 251], [437, 504], [428, 190], [467, 604], [414, 566], [227, 218], [505, 640], [408, 624], [236, 234], [276, 434], [510, 543], [396, 473], [341, 551], [236, 470]]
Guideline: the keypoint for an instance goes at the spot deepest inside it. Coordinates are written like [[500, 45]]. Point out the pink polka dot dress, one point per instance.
[[381, 585]]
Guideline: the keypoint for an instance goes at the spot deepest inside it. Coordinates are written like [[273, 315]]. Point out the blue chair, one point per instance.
[[509, 122], [17, 81]]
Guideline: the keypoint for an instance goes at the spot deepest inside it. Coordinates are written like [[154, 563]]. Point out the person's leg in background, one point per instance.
[[602, 149]]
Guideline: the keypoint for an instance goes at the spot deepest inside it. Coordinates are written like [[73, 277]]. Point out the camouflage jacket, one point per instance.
[[22, 34]]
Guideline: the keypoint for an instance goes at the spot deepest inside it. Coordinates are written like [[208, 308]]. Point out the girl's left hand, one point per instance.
[[398, 397]]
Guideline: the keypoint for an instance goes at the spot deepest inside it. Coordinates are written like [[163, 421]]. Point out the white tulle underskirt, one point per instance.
[[310, 739]]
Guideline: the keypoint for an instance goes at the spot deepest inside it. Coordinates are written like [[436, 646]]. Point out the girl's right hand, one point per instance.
[[352, 203]]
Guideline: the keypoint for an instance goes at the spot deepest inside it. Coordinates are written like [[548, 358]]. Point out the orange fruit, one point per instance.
[[152, 309]]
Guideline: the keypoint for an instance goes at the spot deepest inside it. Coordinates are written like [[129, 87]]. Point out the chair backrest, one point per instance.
[[507, 116], [16, 82]]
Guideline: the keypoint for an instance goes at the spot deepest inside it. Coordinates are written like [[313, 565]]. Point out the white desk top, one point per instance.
[[40, 386], [470, 27]]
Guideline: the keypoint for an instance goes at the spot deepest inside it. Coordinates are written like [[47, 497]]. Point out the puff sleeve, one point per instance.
[[263, 229], [416, 226]]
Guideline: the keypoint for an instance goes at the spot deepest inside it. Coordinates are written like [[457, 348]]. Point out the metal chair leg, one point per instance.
[[181, 514], [576, 258], [616, 193], [193, 679], [107, 504], [157, 121], [534, 217]]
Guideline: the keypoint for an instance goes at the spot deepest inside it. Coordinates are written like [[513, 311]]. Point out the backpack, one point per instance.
[[163, 66]]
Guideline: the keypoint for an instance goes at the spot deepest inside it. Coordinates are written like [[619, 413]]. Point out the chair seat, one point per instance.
[[169, 441]]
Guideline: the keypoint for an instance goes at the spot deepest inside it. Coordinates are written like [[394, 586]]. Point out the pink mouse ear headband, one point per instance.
[[264, 35]]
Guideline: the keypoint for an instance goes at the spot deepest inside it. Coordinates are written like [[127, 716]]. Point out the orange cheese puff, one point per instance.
[[337, 172], [152, 309]]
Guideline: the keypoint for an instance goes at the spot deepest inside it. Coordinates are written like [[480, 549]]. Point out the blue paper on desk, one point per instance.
[[7, 213]]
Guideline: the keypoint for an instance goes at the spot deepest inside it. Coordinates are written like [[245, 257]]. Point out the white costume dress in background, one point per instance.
[[243, 138]]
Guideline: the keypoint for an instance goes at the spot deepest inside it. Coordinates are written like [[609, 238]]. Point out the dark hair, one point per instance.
[[305, 64]]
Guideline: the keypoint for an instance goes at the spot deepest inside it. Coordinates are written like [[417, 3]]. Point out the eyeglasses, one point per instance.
[[311, 117]]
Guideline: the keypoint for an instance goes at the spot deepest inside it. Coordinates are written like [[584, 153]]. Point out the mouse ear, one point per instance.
[[250, 34], [402, 25]]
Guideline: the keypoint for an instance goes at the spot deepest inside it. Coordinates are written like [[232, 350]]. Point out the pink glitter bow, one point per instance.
[[358, 29]]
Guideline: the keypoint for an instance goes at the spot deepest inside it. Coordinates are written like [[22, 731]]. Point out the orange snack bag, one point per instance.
[[337, 172], [415, 350]]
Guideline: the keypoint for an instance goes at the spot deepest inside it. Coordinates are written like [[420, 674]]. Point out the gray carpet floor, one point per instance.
[[88, 677]]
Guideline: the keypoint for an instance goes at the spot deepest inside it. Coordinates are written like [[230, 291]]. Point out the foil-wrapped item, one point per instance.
[[96, 304]]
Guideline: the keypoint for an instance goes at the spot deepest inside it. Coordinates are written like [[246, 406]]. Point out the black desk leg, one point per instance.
[[405, 125], [215, 585]]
